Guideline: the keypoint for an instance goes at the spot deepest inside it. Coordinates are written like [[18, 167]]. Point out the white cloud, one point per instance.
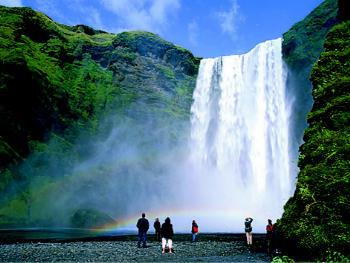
[[84, 12], [160, 10], [230, 19], [11, 3], [52, 9], [192, 30], [95, 19], [150, 15]]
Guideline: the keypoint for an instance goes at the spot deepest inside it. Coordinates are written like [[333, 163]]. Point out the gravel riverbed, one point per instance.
[[119, 250]]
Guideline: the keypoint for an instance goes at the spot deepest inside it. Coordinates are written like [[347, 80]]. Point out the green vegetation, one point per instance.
[[317, 218], [334, 257], [301, 47], [43, 87], [316, 221], [149, 44], [89, 218], [282, 259], [61, 85], [303, 43]]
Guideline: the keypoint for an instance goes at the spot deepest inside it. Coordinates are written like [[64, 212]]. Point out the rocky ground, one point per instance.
[[125, 249]]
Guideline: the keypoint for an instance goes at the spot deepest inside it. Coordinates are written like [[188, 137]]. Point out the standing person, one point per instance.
[[194, 230], [143, 226], [269, 235], [248, 230], [167, 235], [156, 226]]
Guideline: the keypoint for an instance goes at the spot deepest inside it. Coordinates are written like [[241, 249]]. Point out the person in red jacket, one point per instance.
[[269, 235], [194, 231]]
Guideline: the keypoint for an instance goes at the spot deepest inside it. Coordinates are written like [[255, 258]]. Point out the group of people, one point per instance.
[[270, 233], [165, 232]]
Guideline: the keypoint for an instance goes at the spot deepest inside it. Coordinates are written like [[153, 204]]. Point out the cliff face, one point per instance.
[[54, 76], [60, 84], [317, 219], [301, 47]]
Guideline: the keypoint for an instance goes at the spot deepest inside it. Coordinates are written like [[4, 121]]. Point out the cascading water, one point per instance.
[[239, 160], [239, 139]]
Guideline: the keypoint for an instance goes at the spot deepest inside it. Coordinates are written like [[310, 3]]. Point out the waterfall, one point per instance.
[[237, 162], [239, 136]]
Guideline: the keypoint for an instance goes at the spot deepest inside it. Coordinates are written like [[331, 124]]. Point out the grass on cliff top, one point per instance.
[[304, 41]]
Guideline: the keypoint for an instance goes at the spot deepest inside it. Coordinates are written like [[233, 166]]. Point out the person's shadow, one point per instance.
[[167, 250]]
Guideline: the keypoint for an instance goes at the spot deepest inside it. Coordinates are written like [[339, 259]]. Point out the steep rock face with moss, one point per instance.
[[60, 84], [317, 219], [301, 47]]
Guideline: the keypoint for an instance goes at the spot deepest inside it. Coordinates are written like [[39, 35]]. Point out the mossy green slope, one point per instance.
[[301, 47], [59, 84], [317, 217]]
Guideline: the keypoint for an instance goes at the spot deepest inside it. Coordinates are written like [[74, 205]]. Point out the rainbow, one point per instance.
[[231, 221], [132, 219]]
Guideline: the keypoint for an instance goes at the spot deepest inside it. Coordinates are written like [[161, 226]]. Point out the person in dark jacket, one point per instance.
[[248, 230], [167, 235], [143, 226], [156, 226], [194, 231], [269, 235]]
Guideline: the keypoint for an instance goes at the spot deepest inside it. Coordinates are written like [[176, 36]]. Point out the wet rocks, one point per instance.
[[103, 251]]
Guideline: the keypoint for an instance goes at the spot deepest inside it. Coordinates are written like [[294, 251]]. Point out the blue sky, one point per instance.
[[208, 28]]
